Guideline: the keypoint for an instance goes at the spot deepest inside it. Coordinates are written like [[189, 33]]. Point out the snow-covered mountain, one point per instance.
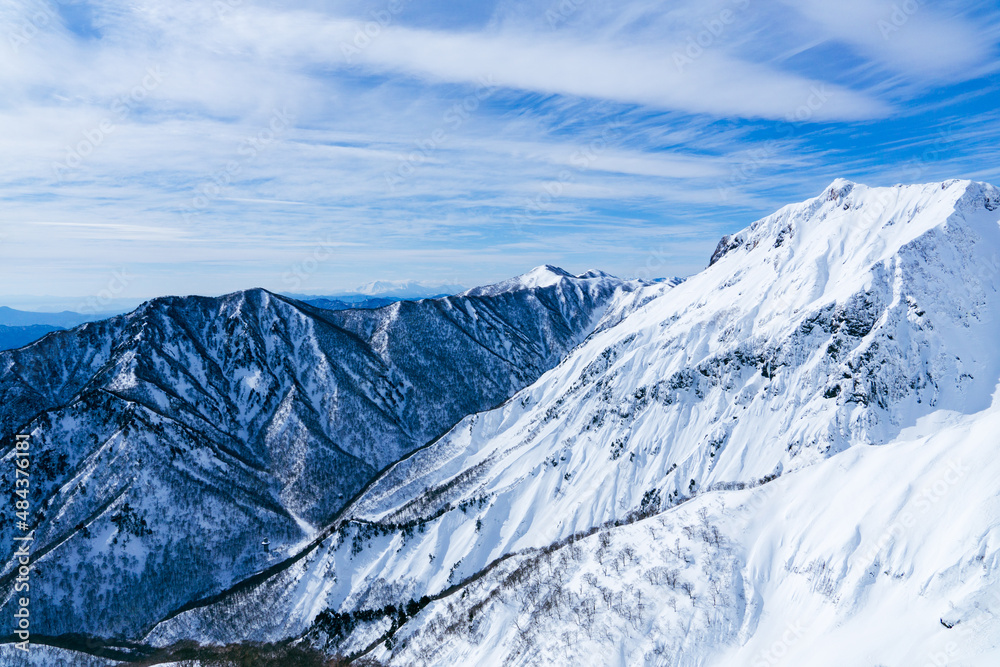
[[880, 556], [792, 453], [408, 289], [196, 441]]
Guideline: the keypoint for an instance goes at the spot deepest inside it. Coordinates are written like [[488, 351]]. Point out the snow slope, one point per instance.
[[860, 560], [197, 441], [822, 330]]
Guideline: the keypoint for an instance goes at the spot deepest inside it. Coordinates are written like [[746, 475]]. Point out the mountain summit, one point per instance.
[[258, 414], [767, 459], [857, 318], [406, 289]]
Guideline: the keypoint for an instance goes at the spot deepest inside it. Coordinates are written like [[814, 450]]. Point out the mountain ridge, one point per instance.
[[627, 498], [268, 411], [855, 311]]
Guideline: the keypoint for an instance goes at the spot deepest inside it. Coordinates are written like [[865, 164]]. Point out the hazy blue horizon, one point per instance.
[[207, 148]]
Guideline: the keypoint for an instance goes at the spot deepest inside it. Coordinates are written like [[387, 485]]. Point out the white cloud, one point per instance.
[[916, 37], [658, 74], [686, 130]]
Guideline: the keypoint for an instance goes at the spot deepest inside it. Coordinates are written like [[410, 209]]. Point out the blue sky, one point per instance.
[[175, 147]]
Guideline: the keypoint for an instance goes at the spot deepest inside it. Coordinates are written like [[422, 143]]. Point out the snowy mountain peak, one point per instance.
[[976, 196], [595, 273], [267, 413], [542, 277], [546, 274], [855, 220], [957, 194], [406, 289], [618, 502], [841, 187], [847, 320]]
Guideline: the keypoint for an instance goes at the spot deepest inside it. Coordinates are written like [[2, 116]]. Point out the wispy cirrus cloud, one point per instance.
[[455, 141]]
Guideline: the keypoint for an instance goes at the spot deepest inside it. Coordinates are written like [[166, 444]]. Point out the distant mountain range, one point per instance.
[[21, 327], [790, 458], [383, 292], [14, 337], [64, 320], [196, 441], [407, 289], [346, 302]]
